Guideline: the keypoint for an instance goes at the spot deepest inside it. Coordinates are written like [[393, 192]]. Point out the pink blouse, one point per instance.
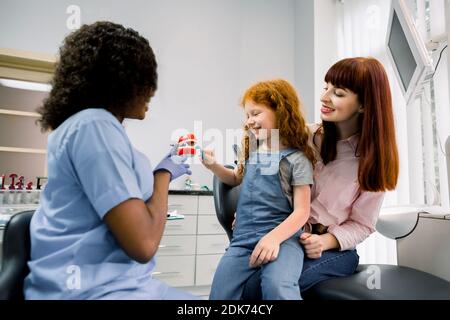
[[338, 202]]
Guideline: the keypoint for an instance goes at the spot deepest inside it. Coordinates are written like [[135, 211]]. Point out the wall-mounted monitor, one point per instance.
[[407, 50]]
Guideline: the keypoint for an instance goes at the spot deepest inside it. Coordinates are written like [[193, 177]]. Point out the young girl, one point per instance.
[[357, 162], [274, 202]]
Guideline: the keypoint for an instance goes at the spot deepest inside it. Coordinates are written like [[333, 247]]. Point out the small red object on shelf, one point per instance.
[[12, 176], [20, 183]]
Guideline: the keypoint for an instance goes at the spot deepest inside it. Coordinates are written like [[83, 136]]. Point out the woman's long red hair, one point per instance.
[[377, 147]]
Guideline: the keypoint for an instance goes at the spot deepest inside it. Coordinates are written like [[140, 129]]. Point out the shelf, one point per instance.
[[20, 113], [27, 66], [23, 150]]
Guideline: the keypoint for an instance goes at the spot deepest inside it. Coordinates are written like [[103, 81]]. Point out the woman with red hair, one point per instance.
[[357, 161]]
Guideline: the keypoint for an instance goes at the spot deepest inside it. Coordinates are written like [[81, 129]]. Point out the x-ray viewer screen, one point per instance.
[[401, 52]]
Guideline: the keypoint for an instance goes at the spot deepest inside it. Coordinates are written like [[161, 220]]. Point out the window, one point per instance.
[[433, 108]]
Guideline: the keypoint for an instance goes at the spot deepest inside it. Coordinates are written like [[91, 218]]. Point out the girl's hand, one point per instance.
[[208, 158], [313, 245], [265, 251]]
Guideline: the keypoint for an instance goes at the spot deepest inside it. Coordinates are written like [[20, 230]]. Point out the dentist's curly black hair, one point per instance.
[[101, 65]]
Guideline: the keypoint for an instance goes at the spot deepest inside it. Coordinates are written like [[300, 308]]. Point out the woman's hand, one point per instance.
[[173, 164], [265, 251], [313, 245], [208, 159]]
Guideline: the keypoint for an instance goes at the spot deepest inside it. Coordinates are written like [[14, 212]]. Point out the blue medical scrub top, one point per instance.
[[92, 167]]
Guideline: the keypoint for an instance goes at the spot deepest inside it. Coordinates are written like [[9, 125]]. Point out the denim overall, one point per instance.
[[262, 206]]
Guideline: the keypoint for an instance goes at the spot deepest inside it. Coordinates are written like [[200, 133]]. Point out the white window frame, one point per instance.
[[429, 115]]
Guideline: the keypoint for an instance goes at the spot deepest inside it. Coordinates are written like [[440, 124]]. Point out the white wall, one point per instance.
[[304, 60], [325, 45], [208, 52]]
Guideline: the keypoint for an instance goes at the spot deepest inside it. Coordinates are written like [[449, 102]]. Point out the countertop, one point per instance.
[[8, 210], [192, 192]]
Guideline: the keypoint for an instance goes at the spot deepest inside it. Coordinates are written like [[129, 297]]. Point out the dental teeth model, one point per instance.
[[187, 145]]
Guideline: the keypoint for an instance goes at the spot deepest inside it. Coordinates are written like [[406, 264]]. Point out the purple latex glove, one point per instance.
[[174, 164]]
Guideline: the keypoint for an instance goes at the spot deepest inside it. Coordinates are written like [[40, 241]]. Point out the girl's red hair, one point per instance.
[[282, 98]]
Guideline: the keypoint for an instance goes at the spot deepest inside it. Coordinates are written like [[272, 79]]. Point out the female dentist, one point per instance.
[[102, 213]]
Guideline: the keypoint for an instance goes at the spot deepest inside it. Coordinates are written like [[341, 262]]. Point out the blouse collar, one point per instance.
[[350, 143]]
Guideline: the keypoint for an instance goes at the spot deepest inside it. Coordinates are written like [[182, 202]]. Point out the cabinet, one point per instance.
[[191, 248]]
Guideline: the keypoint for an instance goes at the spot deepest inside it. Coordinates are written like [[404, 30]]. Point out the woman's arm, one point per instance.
[[268, 247], [347, 235], [108, 179], [329, 241], [137, 225], [361, 221]]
